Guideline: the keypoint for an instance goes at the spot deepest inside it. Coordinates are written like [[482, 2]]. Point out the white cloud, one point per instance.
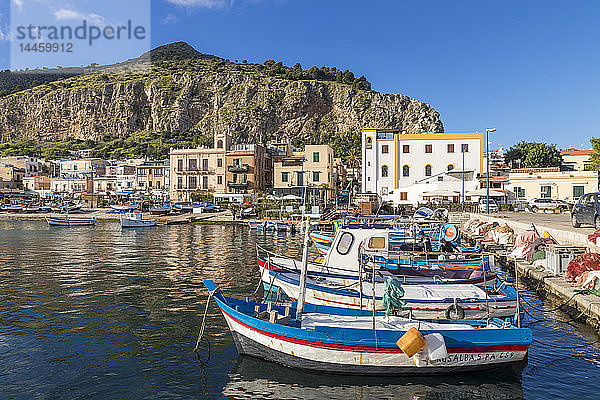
[[66, 14], [169, 19], [18, 4], [202, 3]]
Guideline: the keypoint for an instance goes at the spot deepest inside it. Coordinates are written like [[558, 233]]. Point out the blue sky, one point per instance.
[[527, 68]]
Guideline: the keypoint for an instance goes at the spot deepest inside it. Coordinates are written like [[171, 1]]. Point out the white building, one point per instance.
[[31, 165], [412, 168]]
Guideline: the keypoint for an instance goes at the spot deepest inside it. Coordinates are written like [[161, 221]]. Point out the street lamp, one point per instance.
[[487, 172]]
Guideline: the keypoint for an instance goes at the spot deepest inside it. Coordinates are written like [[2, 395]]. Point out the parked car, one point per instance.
[[483, 205], [586, 211], [548, 204]]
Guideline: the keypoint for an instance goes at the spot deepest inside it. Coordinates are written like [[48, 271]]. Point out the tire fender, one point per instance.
[[457, 309]]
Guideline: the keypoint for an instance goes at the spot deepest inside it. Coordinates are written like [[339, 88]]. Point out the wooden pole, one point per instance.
[[518, 300], [303, 275]]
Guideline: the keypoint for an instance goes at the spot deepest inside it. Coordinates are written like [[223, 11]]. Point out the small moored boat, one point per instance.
[[135, 220], [67, 221], [326, 339]]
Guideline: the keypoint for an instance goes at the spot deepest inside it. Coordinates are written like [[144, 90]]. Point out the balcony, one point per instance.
[[238, 185], [240, 169]]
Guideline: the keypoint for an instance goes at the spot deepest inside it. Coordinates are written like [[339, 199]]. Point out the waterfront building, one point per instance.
[[30, 165], [103, 185], [126, 178], [312, 169], [39, 184], [411, 168], [72, 186], [11, 176], [80, 168], [576, 160], [152, 177], [249, 169], [531, 183], [198, 170]]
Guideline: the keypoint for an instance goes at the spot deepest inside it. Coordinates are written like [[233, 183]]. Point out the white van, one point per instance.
[[483, 205]]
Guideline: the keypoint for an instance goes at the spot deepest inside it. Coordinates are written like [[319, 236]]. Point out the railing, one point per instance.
[[534, 170], [238, 168], [238, 185]]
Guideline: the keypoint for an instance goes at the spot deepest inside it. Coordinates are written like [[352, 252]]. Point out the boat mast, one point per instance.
[[303, 274]]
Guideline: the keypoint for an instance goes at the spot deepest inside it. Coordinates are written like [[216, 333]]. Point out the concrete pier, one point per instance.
[[555, 288]]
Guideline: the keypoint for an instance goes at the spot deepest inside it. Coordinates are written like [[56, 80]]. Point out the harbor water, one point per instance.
[[101, 313]]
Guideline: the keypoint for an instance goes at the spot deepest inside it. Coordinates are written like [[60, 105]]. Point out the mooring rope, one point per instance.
[[558, 307], [202, 327]]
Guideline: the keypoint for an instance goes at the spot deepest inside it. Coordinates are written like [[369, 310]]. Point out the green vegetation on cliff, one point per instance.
[[177, 97]]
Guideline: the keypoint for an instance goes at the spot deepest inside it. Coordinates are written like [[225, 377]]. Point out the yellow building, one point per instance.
[[202, 169], [576, 160], [312, 168], [531, 183]]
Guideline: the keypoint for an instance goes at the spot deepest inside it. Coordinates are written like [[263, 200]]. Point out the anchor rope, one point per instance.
[[203, 325]]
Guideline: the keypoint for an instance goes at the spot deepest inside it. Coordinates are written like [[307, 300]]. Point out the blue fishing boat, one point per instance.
[[329, 339], [67, 221]]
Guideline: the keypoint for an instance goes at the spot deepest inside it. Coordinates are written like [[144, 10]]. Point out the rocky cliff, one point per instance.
[[198, 94]]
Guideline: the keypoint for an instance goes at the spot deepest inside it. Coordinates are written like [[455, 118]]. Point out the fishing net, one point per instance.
[[392, 297], [582, 263]]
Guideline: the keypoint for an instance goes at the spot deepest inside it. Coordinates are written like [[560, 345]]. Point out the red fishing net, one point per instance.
[[582, 263]]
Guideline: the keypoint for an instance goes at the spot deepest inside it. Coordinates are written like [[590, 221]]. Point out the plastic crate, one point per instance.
[[558, 257]]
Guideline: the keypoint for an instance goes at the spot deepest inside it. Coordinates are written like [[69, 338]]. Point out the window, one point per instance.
[[450, 148], [384, 171], [369, 143], [150, 184], [450, 167], [405, 148], [179, 182], [428, 148], [428, 170], [406, 170], [519, 192], [205, 182], [316, 156], [219, 180], [464, 148], [578, 191], [205, 164], [316, 176], [285, 177], [403, 195], [300, 178], [192, 163], [545, 191], [345, 243], [377, 242], [385, 149], [192, 182], [179, 165], [219, 162], [158, 172], [219, 144]]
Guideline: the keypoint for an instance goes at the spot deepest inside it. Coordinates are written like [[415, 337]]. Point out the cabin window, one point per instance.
[[345, 243], [377, 243]]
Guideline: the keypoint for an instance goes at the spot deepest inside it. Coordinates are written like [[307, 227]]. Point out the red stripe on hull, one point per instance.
[[369, 349]]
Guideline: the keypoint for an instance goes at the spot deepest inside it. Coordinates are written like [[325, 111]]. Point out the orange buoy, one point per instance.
[[411, 342]]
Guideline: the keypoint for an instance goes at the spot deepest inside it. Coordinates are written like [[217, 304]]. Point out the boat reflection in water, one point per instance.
[[257, 379]]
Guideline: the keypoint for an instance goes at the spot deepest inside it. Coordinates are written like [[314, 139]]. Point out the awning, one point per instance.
[[483, 193], [440, 193]]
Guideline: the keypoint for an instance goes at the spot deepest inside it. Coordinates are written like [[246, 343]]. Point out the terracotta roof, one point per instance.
[[573, 152]]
